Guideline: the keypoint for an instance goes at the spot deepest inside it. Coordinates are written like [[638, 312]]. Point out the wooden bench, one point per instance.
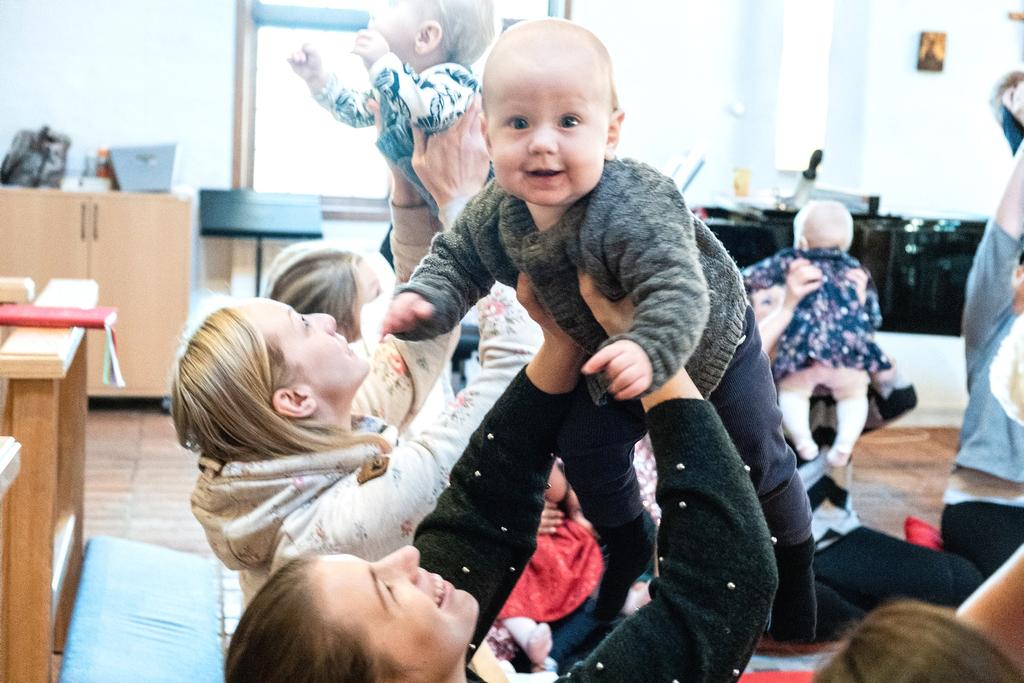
[[10, 463], [17, 290], [45, 409]]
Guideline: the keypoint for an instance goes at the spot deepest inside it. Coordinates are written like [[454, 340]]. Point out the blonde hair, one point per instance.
[[839, 232], [316, 277], [222, 387], [467, 28], [911, 642], [547, 30], [1005, 82]]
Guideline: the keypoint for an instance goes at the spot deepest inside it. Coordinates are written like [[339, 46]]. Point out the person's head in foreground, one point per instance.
[[340, 618], [911, 642], [551, 114], [424, 33], [318, 277], [823, 225], [258, 380]]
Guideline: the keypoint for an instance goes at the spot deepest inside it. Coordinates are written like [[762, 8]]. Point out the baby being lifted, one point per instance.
[[562, 205]]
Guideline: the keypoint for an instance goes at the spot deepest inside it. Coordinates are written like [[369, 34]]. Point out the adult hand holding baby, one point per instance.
[[625, 364], [802, 278], [555, 368], [452, 165]]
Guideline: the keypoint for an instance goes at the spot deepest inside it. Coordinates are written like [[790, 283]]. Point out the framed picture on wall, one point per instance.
[[931, 51]]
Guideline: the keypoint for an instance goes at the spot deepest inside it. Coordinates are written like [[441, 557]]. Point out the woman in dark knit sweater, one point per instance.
[[340, 618]]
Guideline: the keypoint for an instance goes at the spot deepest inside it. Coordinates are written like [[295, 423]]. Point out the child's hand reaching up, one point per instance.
[[308, 65], [405, 311], [626, 366], [371, 46]]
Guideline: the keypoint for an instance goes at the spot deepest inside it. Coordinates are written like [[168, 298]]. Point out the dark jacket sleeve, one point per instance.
[[717, 570], [484, 529], [452, 276]]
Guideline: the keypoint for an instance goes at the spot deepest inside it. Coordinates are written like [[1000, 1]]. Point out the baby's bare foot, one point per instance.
[[837, 458], [538, 647]]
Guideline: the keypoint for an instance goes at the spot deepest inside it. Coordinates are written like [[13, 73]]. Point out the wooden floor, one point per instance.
[[137, 485], [138, 479], [138, 482]]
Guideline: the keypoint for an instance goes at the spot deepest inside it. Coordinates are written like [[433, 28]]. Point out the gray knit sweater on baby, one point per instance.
[[633, 235]]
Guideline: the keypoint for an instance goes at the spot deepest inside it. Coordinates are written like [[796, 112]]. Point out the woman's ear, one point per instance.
[[428, 37], [614, 130], [294, 402]]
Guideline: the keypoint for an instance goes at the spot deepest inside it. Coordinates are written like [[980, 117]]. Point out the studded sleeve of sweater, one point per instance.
[[484, 528], [718, 574]]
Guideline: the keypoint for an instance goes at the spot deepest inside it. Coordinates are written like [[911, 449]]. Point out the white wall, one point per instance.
[[123, 72], [923, 141], [678, 67], [930, 141]]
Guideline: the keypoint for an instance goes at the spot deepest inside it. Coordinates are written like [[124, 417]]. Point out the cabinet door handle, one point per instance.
[[81, 224], [95, 221]]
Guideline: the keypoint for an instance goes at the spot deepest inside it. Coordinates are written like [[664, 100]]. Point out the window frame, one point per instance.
[[251, 15]]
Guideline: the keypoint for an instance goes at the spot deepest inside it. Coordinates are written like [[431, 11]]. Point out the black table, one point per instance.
[[255, 215], [919, 262]]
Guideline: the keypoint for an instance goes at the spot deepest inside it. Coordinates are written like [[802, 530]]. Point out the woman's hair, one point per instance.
[[315, 277], [1005, 82], [222, 386], [911, 642], [467, 28], [284, 635]]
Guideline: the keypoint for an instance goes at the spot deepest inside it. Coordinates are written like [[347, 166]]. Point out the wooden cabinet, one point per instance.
[[137, 247]]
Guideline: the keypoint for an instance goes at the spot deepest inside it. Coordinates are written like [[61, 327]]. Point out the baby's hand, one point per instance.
[[371, 46], [405, 311], [626, 366], [308, 65]]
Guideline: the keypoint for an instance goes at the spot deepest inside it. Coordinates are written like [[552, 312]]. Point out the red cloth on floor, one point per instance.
[[920, 532], [563, 572], [777, 677]]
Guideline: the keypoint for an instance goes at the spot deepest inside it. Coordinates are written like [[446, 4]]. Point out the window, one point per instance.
[[803, 82], [285, 141]]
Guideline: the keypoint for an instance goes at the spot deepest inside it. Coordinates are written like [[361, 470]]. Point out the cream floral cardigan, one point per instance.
[[258, 515]]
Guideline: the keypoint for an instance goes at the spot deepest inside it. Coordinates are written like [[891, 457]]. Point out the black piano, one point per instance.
[[919, 263]]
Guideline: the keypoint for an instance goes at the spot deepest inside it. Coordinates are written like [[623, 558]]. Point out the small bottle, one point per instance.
[[103, 167]]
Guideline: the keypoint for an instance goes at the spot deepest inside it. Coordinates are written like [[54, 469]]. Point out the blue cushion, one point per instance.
[[144, 613]]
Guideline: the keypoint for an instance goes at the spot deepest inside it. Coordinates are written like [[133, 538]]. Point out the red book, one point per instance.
[[27, 315]]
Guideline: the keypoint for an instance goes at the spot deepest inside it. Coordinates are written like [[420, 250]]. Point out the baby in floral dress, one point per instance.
[[831, 339]]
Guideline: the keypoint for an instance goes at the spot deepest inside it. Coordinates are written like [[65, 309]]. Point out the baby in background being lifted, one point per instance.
[[417, 54], [831, 339]]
